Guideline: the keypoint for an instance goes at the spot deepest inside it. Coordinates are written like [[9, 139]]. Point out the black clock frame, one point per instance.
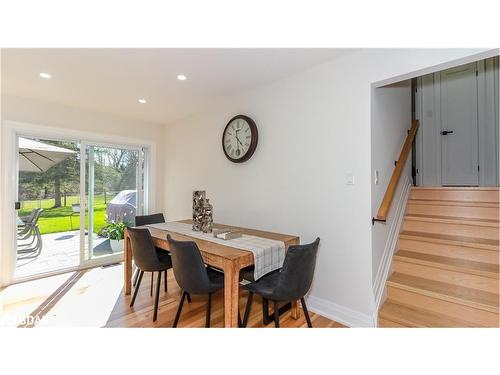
[[253, 142]]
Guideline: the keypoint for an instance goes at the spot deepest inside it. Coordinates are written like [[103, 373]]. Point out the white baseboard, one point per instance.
[[340, 314], [390, 246]]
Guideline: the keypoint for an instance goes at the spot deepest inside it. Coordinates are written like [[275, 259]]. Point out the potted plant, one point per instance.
[[115, 232]]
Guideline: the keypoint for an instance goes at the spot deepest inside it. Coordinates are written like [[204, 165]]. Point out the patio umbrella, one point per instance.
[[38, 157]]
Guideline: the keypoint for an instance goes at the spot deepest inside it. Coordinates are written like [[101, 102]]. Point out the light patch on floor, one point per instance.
[[76, 299]]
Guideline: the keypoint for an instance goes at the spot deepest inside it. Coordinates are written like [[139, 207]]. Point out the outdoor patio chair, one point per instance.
[[24, 228], [75, 210], [31, 231]]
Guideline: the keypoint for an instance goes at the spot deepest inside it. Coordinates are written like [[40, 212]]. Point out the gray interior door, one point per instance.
[[459, 126]]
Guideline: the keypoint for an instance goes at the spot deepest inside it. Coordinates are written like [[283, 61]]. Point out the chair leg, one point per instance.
[[188, 297], [166, 282], [158, 285], [209, 307], [265, 311], [136, 276], [306, 313], [152, 277], [276, 315], [141, 273], [247, 310], [179, 309]]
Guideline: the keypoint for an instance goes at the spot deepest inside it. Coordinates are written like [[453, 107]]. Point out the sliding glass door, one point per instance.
[[114, 186], [74, 199], [48, 188]]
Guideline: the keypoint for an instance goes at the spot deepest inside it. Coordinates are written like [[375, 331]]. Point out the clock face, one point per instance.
[[239, 139]]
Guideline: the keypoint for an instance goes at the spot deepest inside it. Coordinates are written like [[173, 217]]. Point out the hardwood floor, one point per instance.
[[193, 314], [94, 298], [446, 269]]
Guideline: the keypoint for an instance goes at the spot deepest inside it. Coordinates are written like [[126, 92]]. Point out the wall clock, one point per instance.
[[240, 138]]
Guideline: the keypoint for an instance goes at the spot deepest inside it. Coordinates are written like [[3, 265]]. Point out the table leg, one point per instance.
[[231, 294], [295, 311], [127, 288]]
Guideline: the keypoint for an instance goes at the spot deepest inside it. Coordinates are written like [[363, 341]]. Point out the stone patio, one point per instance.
[[59, 251]]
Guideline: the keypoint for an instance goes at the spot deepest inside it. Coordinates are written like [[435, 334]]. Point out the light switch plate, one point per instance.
[[349, 179]]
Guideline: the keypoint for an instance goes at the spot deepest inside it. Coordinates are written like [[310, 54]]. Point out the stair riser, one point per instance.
[[456, 195], [479, 318], [455, 278], [481, 213], [470, 231], [461, 252]]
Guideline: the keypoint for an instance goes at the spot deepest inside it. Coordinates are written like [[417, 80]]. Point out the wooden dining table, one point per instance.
[[229, 259]]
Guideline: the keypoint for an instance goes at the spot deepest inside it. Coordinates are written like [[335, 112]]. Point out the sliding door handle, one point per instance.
[[446, 132]]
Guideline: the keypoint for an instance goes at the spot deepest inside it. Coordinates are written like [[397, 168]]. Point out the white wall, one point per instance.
[[314, 127], [391, 119], [73, 123]]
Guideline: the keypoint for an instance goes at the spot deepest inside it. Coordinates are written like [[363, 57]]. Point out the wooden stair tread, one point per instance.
[[454, 219], [413, 317], [453, 293], [456, 264], [436, 202], [490, 195], [454, 239], [456, 188]]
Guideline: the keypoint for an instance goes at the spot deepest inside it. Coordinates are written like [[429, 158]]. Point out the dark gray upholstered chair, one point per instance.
[[291, 283], [192, 275], [146, 220], [147, 259]]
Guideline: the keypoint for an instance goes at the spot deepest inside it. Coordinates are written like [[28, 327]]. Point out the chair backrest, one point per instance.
[[36, 216], [189, 269], [149, 219], [297, 273], [143, 249], [31, 217]]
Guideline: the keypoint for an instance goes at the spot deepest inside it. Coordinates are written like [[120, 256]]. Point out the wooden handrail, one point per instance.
[[383, 210]]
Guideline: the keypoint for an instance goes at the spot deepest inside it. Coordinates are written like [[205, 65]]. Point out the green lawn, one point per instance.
[[54, 220]]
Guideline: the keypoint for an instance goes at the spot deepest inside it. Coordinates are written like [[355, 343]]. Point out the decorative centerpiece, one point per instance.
[[208, 218], [202, 212]]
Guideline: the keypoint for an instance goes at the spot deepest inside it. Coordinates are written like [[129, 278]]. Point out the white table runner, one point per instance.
[[268, 254]]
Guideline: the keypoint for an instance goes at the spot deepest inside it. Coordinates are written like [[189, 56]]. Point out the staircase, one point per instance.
[[446, 268]]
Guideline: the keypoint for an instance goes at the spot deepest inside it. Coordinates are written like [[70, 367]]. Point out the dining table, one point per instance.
[[222, 256]]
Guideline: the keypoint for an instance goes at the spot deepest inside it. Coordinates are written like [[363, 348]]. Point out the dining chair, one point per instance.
[[147, 259], [192, 275], [291, 283], [146, 220]]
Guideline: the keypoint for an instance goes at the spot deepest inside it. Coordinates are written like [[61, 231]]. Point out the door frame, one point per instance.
[[10, 130]]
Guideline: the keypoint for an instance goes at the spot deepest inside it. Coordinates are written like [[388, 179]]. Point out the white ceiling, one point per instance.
[[111, 80]]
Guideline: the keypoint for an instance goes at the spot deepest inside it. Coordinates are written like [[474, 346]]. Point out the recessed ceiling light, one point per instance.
[[142, 101], [45, 75], [181, 77]]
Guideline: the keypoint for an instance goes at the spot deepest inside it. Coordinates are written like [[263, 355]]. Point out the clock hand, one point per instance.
[[239, 141]]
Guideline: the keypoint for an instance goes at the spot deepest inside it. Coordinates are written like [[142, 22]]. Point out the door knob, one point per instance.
[[446, 132]]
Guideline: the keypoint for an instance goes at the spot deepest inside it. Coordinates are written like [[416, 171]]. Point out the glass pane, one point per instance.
[[113, 183], [48, 236]]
